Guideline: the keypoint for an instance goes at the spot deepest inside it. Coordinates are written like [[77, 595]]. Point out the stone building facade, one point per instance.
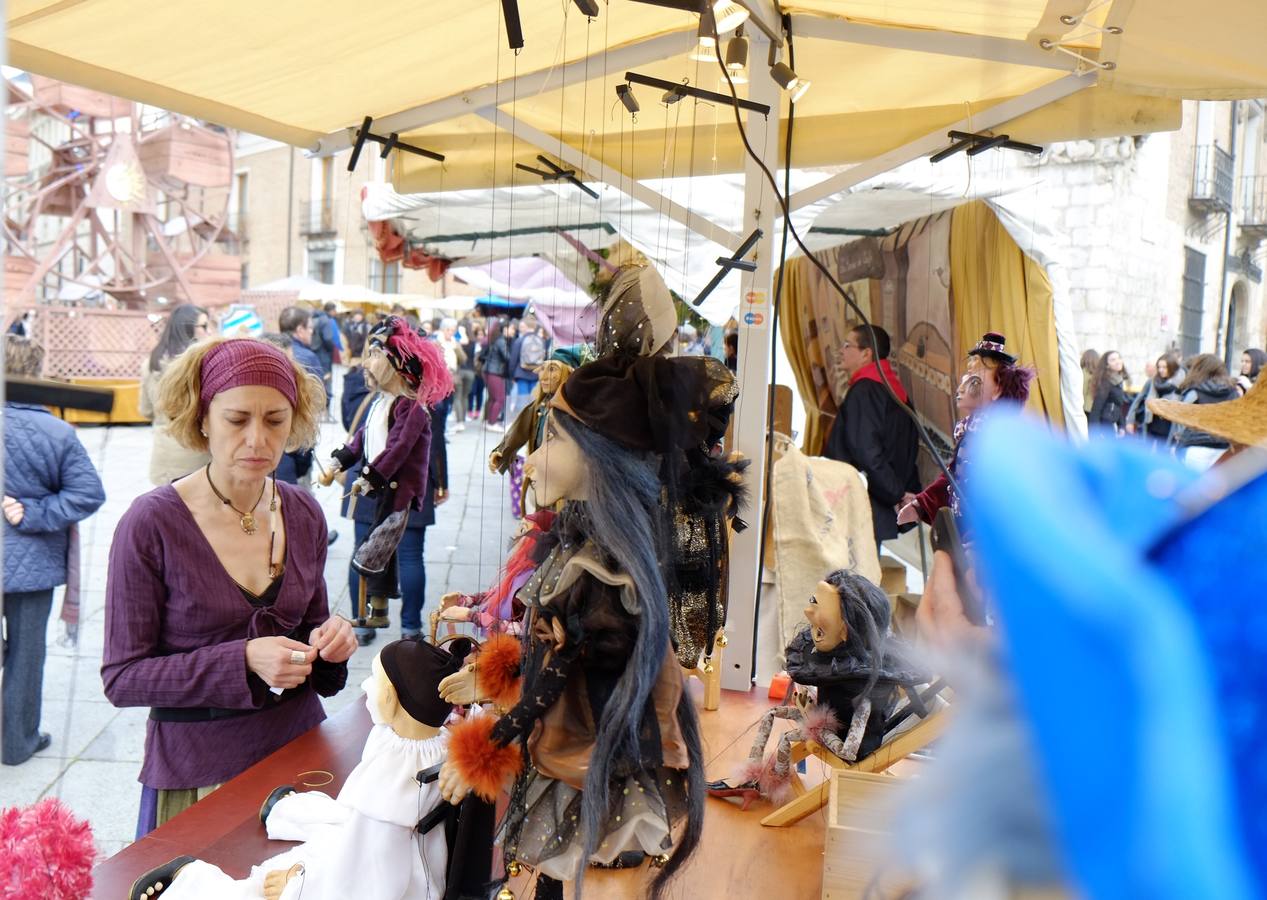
[[1161, 235], [296, 216]]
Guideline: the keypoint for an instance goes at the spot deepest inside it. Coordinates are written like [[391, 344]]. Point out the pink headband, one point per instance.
[[246, 362]]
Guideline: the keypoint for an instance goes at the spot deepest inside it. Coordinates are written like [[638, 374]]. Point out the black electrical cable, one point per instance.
[[831, 279], [768, 475]]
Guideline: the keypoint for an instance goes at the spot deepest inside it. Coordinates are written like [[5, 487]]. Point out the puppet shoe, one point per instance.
[[364, 636], [271, 800], [745, 792], [156, 880]]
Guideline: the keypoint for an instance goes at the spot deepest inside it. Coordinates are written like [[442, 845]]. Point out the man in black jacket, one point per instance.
[[872, 432]]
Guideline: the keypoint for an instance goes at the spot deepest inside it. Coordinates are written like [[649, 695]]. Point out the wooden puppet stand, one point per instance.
[[807, 801]]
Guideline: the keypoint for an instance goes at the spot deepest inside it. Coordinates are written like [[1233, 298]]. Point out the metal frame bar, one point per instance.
[[664, 46], [944, 43], [756, 297], [687, 90], [935, 140], [612, 177]]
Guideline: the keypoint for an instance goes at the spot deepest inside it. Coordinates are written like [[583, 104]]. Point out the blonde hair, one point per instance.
[[180, 389]]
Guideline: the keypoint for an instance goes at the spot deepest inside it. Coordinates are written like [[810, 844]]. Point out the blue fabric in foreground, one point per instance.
[[1119, 667]]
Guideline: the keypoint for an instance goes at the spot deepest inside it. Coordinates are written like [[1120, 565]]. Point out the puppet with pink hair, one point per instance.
[[993, 376], [391, 451]]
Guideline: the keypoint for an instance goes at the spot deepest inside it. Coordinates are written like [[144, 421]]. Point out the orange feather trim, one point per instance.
[[497, 670], [486, 766]]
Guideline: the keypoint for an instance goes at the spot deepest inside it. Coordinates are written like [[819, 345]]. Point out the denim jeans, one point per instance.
[[25, 623], [413, 574]]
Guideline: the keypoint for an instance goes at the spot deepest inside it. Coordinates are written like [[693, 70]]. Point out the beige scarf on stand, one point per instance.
[[822, 522]]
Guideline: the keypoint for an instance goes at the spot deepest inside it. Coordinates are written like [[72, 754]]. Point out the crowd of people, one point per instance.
[[1114, 405]]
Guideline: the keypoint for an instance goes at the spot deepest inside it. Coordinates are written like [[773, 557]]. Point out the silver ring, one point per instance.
[[298, 657]]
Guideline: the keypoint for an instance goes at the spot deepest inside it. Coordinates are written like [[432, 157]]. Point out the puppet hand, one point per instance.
[[907, 515], [327, 477], [13, 511], [1130, 427], [270, 659], [494, 461], [456, 614], [361, 486], [334, 640], [440, 496], [459, 688], [452, 787], [453, 598]]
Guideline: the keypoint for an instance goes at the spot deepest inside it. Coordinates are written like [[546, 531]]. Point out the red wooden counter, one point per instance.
[[224, 829]]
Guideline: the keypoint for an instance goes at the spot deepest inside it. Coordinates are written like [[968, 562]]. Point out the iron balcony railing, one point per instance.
[[318, 218], [1254, 202], [1212, 179]]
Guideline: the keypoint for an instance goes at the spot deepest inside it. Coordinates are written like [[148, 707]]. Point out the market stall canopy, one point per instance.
[[309, 290], [883, 73]]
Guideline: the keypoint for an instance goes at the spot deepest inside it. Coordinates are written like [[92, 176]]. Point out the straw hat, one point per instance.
[[1241, 421]]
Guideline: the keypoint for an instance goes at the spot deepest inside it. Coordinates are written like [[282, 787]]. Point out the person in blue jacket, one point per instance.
[[49, 485], [413, 573]]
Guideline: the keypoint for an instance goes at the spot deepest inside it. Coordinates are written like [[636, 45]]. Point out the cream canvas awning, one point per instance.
[[883, 73]]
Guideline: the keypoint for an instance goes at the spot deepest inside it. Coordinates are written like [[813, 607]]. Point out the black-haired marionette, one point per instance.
[[611, 736], [846, 652], [391, 451]]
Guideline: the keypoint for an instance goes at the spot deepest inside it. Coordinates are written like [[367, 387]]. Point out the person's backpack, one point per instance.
[[532, 351], [317, 343]]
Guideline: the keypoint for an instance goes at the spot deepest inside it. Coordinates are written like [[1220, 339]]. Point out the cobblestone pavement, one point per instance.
[[95, 756]]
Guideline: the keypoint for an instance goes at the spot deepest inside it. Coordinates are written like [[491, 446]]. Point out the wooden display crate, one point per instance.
[[857, 827], [68, 98], [182, 154]]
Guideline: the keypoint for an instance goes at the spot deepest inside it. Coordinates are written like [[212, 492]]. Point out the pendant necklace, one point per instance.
[[247, 518]]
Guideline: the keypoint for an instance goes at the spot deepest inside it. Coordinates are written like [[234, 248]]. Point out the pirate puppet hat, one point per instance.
[[992, 346]]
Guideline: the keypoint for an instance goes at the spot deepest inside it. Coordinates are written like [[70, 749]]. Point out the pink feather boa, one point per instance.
[[45, 852]]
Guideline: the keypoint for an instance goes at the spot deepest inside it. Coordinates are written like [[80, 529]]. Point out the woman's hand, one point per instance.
[[452, 787], [334, 640], [271, 659], [13, 511]]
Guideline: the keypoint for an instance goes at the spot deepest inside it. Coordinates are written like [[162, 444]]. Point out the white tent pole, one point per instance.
[[615, 179], [761, 210], [936, 140], [639, 53], [945, 43]]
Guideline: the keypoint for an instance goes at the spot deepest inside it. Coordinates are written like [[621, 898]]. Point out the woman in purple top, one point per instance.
[[216, 614]]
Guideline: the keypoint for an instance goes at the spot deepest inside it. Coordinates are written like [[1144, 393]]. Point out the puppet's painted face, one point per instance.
[[827, 625], [552, 376], [556, 467], [380, 695], [379, 368], [990, 389], [968, 396]]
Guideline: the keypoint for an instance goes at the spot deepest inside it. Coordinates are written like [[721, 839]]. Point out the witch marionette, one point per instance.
[[611, 736], [845, 652], [390, 453], [702, 487]]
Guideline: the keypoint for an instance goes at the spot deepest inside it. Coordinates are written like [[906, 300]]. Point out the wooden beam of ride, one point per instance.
[[639, 53], [613, 177], [933, 141]]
